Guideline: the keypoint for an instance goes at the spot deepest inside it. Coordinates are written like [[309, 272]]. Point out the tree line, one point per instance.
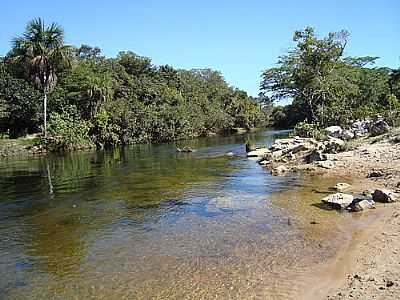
[[326, 87], [89, 99]]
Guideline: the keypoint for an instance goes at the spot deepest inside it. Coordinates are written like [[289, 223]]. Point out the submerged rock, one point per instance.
[[341, 186], [384, 196], [185, 149], [339, 200]]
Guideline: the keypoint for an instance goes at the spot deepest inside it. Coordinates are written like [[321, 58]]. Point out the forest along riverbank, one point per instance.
[[368, 267]]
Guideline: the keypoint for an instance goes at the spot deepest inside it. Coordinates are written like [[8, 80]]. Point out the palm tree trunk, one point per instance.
[[45, 114]]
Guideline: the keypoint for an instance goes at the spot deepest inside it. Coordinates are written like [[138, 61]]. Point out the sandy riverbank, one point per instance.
[[368, 267]]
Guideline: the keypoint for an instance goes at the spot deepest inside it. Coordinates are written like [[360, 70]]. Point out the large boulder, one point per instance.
[[379, 127], [339, 200], [385, 196], [334, 131]]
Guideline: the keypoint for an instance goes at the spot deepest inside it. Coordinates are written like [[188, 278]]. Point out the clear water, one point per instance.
[[146, 222]]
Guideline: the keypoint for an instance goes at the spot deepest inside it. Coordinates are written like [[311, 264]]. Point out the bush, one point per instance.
[[67, 131], [103, 132], [307, 130]]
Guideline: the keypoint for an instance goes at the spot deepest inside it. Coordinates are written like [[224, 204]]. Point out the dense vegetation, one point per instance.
[[101, 101], [94, 100], [327, 88]]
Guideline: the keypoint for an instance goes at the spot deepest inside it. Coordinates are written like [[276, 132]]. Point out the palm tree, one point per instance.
[[41, 52]]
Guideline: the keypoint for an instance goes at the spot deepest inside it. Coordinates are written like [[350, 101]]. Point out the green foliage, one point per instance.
[[103, 131], [308, 130], [325, 87], [20, 104], [68, 131], [120, 100]]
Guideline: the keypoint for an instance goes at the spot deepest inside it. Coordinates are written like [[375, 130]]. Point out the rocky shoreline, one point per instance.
[[372, 160]]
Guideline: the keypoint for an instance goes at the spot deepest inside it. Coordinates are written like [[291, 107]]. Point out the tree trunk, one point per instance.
[[45, 114]]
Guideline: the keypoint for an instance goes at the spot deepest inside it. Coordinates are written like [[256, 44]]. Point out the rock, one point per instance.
[[295, 149], [361, 203], [360, 128], [325, 164], [315, 155], [375, 173], [258, 152], [264, 162], [250, 147], [333, 145], [185, 149], [384, 196], [341, 186], [280, 170], [379, 127], [291, 156], [339, 200], [334, 131], [347, 135], [229, 154]]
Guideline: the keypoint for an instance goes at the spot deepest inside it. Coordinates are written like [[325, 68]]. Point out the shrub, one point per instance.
[[67, 131], [307, 130]]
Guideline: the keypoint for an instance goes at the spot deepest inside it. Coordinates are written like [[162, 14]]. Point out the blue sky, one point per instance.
[[238, 38]]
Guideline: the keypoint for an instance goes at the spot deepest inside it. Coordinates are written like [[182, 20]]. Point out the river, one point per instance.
[[145, 222]]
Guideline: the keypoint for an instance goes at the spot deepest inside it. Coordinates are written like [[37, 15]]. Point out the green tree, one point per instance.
[[42, 53], [325, 87]]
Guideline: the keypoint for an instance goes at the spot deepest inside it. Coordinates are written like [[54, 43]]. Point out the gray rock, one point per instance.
[[360, 128], [185, 149], [347, 135], [362, 205], [341, 186], [339, 200], [325, 164], [333, 145], [264, 162], [280, 170], [315, 155], [375, 173], [379, 127], [258, 153], [384, 196], [334, 131]]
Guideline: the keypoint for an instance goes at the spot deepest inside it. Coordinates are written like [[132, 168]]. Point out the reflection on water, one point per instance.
[[148, 223]]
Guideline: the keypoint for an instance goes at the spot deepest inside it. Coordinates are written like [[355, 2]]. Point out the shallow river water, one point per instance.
[[145, 222]]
